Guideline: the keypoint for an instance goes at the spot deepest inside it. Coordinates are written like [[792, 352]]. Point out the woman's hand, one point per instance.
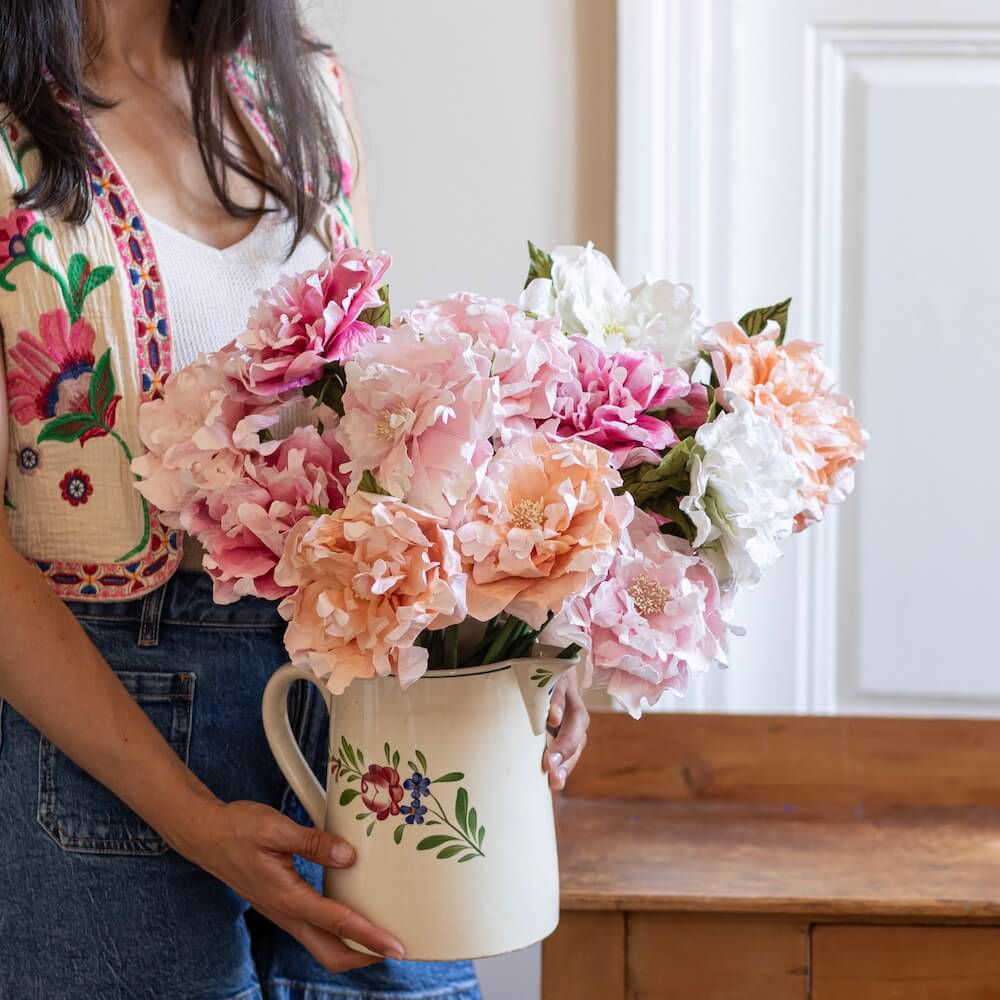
[[568, 723], [250, 846]]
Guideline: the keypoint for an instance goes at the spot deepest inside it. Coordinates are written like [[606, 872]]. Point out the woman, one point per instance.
[[160, 162]]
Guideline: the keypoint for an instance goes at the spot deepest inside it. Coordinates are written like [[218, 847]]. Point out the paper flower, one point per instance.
[[544, 524], [529, 357], [310, 319], [744, 493], [655, 617], [608, 400], [791, 385], [368, 580], [419, 412]]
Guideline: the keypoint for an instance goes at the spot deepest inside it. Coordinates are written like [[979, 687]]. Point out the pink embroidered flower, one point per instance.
[[368, 580], [76, 487], [608, 402], [791, 385], [243, 526], [418, 414], [50, 374], [381, 790], [13, 234], [543, 525], [529, 357], [657, 616], [310, 319]]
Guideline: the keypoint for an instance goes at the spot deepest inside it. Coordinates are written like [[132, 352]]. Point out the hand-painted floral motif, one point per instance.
[[76, 487], [381, 792]]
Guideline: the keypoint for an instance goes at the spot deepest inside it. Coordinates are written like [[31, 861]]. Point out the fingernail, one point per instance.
[[342, 854], [555, 759], [562, 776], [396, 953]]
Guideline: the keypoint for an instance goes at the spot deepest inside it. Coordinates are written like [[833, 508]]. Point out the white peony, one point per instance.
[[590, 299], [744, 494]]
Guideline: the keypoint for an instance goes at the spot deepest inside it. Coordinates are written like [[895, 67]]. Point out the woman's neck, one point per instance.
[[131, 36]]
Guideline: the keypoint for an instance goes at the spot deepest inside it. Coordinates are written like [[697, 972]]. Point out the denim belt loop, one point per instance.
[[149, 617]]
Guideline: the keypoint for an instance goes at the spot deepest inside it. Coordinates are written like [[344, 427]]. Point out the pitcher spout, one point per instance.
[[537, 677]]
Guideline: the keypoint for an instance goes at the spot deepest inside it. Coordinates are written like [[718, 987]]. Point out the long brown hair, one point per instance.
[[41, 39]]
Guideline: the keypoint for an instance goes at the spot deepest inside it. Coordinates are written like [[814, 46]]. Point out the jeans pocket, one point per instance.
[[83, 816]]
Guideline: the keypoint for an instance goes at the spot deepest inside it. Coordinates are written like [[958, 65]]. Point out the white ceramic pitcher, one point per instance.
[[440, 789]]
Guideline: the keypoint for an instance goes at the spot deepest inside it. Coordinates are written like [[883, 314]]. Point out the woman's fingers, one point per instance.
[[557, 779], [307, 842], [329, 950], [557, 706], [334, 918], [565, 750]]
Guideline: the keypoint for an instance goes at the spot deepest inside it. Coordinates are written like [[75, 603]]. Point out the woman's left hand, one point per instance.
[[568, 723]]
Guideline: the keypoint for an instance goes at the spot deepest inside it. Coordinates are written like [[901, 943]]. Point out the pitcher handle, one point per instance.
[[283, 744]]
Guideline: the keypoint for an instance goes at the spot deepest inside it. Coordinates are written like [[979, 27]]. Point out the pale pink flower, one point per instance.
[[610, 398], [418, 414], [368, 580], [544, 524], [791, 385], [529, 357], [243, 526], [310, 319], [655, 617]]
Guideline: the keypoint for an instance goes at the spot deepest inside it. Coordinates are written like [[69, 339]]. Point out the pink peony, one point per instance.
[[419, 414], [656, 616], [544, 524], [310, 319], [791, 385], [528, 356], [609, 399], [368, 580], [243, 527]]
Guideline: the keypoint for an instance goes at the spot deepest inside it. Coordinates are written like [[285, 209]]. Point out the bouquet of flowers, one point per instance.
[[594, 468]]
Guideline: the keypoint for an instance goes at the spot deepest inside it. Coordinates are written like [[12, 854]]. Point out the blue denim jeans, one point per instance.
[[93, 904]]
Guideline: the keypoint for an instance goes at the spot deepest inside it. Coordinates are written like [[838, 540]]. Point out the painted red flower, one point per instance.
[[13, 234], [76, 487], [381, 790]]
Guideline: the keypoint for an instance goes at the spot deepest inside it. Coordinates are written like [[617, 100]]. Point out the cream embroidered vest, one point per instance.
[[85, 331]]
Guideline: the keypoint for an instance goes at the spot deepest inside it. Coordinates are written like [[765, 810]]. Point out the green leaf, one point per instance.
[[423, 762], [429, 843], [667, 507], [395, 760], [8, 504], [412, 766], [369, 484], [348, 795], [76, 274], [450, 776], [94, 280], [371, 826], [353, 777], [348, 752], [482, 835], [397, 834], [388, 754], [361, 756], [648, 481], [451, 851], [539, 264], [102, 386], [754, 321], [363, 815], [433, 822], [379, 315], [468, 857], [329, 388], [462, 808], [472, 820], [68, 427], [318, 511]]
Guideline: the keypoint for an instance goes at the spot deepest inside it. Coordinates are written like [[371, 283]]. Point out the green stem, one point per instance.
[[30, 255], [451, 647], [14, 157], [146, 527], [444, 819], [511, 627], [569, 652]]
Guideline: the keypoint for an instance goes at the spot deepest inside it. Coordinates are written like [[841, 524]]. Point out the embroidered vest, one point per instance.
[[85, 331]]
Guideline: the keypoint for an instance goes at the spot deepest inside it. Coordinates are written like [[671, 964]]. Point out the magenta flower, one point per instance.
[[628, 403], [311, 319]]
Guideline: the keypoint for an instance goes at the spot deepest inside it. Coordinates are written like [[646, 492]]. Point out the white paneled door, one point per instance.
[[846, 152]]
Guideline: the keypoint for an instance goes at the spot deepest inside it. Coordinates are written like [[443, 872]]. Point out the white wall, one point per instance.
[[485, 124]]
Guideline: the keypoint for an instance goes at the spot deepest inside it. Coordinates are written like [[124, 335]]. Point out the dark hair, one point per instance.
[[44, 38]]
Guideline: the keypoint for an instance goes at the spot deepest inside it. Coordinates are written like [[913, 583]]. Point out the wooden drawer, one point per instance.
[[905, 963]]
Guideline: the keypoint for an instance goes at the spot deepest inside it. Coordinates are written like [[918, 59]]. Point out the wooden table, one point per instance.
[[766, 858]]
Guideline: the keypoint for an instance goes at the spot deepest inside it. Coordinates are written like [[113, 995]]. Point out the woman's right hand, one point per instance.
[[250, 847]]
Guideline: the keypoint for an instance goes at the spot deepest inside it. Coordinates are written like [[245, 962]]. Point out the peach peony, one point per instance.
[[544, 524], [790, 384], [368, 580]]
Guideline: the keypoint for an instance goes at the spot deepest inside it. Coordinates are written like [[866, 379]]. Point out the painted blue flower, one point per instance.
[[417, 785], [414, 812]]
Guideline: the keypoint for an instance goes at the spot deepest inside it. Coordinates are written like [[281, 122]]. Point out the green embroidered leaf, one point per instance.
[[473, 819], [8, 504], [379, 315], [348, 795], [423, 761], [539, 264], [450, 776], [94, 280], [462, 808], [754, 321], [102, 386], [76, 274], [451, 851], [369, 484], [69, 427], [429, 843], [397, 834]]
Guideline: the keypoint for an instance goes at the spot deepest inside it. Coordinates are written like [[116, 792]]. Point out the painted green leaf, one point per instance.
[[363, 815], [8, 504], [468, 857], [353, 777], [369, 484], [68, 427], [462, 808], [451, 851], [102, 386], [395, 760], [397, 834], [539, 264], [348, 795], [429, 843], [371, 826], [432, 822], [422, 760], [450, 776], [472, 821], [482, 835], [361, 756], [388, 754], [412, 766], [379, 315], [754, 321]]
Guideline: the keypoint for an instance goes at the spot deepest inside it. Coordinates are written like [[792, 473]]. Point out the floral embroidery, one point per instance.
[[13, 235], [28, 460], [381, 792], [17, 147], [76, 487]]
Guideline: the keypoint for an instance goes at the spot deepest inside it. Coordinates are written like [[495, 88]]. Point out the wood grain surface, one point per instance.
[[585, 958]]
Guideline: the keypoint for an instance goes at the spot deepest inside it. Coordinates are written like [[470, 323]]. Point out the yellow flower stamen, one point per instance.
[[647, 595], [527, 514]]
